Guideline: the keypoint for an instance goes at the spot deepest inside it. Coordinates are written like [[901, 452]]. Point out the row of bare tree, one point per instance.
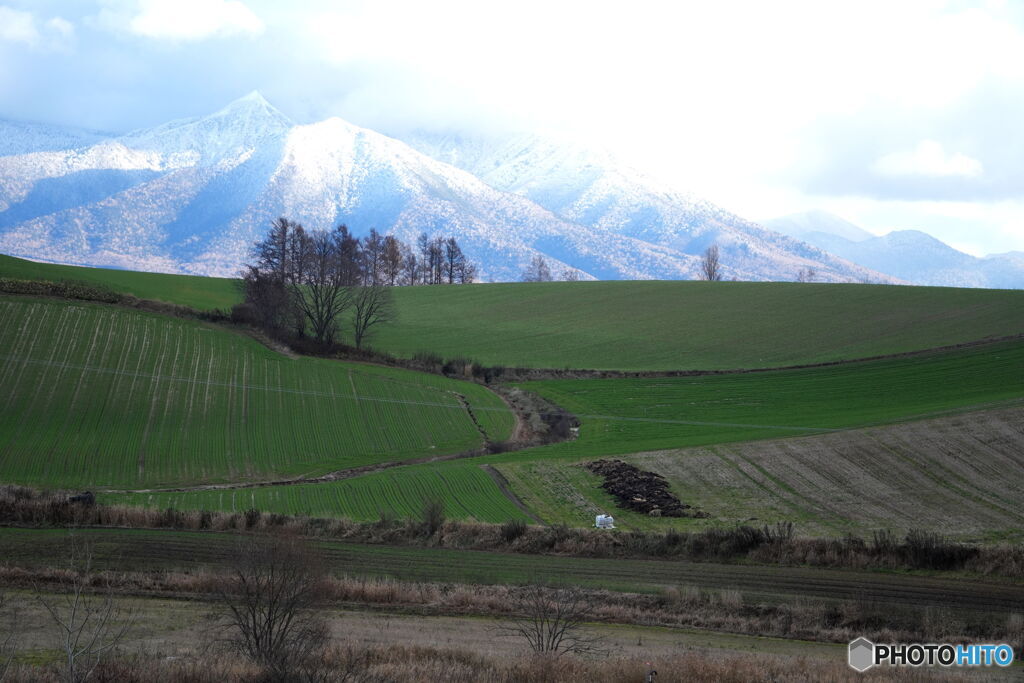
[[267, 608], [538, 269], [306, 281]]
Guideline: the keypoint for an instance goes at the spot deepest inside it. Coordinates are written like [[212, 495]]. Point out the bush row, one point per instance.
[[64, 289], [775, 544]]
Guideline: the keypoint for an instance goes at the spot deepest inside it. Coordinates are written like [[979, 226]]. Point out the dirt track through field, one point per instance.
[[502, 483]]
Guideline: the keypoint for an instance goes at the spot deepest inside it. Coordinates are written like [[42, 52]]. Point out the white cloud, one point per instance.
[[187, 20], [18, 26], [61, 27], [929, 159]]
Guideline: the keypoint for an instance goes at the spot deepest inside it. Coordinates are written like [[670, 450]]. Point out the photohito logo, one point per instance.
[[864, 654]]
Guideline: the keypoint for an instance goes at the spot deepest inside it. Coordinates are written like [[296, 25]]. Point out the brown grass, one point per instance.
[[412, 664], [683, 607], [769, 544], [960, 475]]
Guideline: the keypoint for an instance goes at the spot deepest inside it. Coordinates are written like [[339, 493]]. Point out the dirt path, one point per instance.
[[337, 475], [503, 485]]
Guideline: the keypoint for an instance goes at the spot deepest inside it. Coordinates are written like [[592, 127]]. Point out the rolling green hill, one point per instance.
[[627, 416], [642, 414], [203, 293], [642, 325], [99, 396], [691, 325], [109, 398]]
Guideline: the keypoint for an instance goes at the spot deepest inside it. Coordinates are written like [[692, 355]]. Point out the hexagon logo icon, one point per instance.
[[862, 654]]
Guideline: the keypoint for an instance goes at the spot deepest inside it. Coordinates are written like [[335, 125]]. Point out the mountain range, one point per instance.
[[192, 195], [910, 255]]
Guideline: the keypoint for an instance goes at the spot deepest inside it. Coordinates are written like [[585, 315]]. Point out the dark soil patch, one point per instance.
[[636, 489]]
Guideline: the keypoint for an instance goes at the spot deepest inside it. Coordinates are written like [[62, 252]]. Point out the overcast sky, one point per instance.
[[895, 115]]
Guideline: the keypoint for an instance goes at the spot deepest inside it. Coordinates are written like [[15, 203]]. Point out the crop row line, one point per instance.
[[333, 395]]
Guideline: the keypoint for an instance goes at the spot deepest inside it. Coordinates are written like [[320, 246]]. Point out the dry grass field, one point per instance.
[[961, 475]]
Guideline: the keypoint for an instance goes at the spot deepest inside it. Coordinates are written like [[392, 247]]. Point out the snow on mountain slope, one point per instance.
[[192, 196], [20, 137], [919, 258], [800, 225], [333, 172], [243, 125], [1005, 271], [589, 187]]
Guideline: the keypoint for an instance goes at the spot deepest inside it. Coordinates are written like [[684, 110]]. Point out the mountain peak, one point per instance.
[[254, 104], [243, 124], [254, 96]]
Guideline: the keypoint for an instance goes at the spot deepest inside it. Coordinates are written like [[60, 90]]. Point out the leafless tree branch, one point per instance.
[[553, 622], [710, 267]]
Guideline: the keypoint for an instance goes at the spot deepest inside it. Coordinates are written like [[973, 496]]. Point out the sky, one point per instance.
[[893, 115]]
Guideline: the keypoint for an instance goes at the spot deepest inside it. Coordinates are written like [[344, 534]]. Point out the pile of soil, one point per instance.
[[635, 489]]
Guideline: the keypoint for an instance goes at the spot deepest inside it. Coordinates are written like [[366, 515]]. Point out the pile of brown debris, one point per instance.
[[635, 489]]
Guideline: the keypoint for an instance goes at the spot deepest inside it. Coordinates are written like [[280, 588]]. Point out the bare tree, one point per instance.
[[571, 275], [435, 261], [88, 622], [807, 275], [467, 275], [319, 287], [373, 258], [392, 260], [710, 268], [303, 278], [537, 271], [266, 602], [410, 267], [423, 246], [371, 306], [268, 299], [350, 255], [265, 282], [553, 621], [454, 261]]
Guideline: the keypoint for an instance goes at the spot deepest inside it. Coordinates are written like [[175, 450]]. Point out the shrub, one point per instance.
[[252, 518], [432, 516], [244, 314], [929, 550], [780, 532], [67, 289], [883, 542], [512, 529]]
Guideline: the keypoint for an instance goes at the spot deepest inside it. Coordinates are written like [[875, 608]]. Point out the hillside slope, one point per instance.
[[100, 396], [959, 475], [690, 325], [635, 325]]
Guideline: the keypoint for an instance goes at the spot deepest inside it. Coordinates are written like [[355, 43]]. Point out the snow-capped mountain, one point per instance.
[[19, 137], [909, 255], [193, 195], [809, 224], [589, 186]]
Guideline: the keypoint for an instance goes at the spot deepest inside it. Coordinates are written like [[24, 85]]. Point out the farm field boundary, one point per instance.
[[126, 550], [961, 475]]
